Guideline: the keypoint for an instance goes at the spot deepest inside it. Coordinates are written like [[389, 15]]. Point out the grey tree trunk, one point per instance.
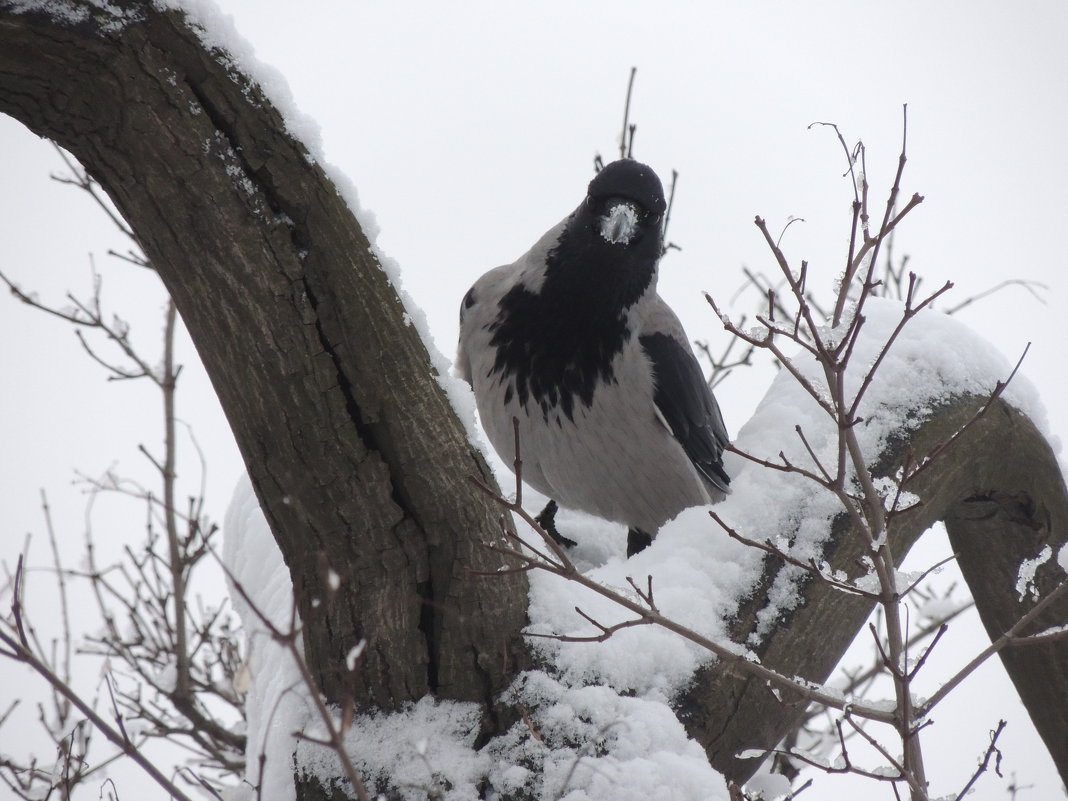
[[358, 460]]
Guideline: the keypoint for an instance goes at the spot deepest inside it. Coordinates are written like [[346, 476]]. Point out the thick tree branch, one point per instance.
[[352, 446], [999, 490]]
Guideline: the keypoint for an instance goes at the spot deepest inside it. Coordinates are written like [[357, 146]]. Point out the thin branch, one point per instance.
[[889, 223], [730, 654], [82, 180], [985, 762], [809, 567], [626, 146], [812, 455], [1010, 635], [927, 651], [932, 569], [63, 708], [606, 631], [667, 214], [909, 312], [996, 393], [24, 655], [1028, 285], [167, 384]]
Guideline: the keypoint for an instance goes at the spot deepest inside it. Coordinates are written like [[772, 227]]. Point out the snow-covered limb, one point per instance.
[[647, 613]]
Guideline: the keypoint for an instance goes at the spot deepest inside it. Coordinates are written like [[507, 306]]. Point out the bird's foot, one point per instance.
[[547, 520], [637, 540]]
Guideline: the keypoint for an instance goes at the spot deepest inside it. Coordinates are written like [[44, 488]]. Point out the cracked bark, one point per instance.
[[355, 455]]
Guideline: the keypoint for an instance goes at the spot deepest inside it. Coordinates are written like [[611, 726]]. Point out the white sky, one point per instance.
[[469, 130]]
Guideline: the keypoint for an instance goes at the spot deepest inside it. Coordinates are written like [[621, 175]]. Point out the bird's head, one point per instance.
[[607, 252], [626, 202]]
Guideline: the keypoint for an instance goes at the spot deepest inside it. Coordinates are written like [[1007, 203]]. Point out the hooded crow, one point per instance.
[[615, 416]]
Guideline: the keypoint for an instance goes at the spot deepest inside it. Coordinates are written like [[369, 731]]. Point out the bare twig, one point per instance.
[[722, 366], [606, 631], [942, 448], [1030, 286], [810, 566], [667, 214], [984, 763], [81, 179], [117, 738], [1011, 635], [626, 137]]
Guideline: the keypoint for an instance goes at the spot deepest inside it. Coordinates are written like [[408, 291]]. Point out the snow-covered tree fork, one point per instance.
[[352, 447]]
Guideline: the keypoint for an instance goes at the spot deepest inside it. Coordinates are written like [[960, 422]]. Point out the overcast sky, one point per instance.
[[470, 129]]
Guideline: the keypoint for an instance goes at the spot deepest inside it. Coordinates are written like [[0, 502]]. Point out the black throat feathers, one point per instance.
[[555, 346]]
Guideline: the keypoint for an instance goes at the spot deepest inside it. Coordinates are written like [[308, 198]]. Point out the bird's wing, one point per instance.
[[462, 365], [477, 310], [683, 398]]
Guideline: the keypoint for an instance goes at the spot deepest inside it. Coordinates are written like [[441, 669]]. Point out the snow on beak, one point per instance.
[[620, 224]]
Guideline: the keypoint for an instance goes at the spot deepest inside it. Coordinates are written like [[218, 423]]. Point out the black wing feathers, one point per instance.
[[684, 399]]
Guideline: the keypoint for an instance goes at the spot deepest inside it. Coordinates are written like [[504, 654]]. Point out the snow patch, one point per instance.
[[424, 751], [913, 380], [275, 704], [587, 743], [354, 654], [619, 224], [767, 786], [697, 578], [1025, 577]]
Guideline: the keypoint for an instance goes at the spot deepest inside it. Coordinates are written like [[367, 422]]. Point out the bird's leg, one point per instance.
[[637, 540], [547, 520]]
